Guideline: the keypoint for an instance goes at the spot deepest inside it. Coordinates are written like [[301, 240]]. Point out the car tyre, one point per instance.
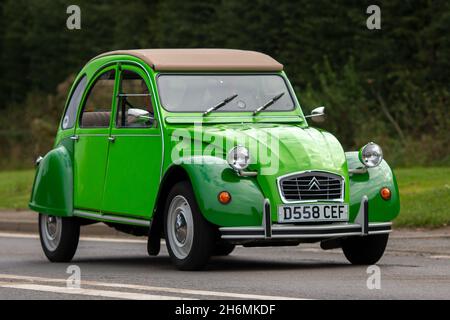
[[59, 237], [365, 250], [189, 237], [223, 249]]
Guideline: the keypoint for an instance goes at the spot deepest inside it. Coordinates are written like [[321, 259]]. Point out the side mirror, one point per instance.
[[139, 115], [317, 115]]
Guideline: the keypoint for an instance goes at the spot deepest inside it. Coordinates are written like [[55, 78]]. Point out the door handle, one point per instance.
[[75, 138], [112, 138]]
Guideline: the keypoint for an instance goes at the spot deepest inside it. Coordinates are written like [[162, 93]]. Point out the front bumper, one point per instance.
[[269, 231]]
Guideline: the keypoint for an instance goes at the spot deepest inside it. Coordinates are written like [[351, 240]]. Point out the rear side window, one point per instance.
[[72, 108]]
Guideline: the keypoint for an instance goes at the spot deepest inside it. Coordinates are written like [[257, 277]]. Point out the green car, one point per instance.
[[207, 149]]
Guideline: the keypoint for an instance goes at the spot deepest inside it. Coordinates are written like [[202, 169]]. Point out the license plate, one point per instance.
[[312, 212]]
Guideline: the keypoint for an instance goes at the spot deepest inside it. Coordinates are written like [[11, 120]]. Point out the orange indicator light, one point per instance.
[[224, 197], [385, 193]]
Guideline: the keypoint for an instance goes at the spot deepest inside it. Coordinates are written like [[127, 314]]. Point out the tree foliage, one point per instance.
[[389, 85]]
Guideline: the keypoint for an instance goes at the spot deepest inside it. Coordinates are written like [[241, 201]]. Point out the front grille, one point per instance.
[[312, 186]]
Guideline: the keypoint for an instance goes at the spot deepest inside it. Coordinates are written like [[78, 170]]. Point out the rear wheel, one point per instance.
[[59, 237], [365, 250], [189, 237]]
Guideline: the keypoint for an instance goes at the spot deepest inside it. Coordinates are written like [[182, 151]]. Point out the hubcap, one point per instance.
[[52, 227], [51, 231], [180, 227]]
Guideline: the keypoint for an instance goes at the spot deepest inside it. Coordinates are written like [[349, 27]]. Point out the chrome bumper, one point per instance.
[[269, 231]]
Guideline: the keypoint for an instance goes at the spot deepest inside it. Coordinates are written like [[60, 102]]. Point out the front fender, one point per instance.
[[370, 184], [53, 184], [209, 176]]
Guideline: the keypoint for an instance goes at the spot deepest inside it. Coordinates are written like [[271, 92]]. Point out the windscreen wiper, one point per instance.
[[220, 105], [269, 103]]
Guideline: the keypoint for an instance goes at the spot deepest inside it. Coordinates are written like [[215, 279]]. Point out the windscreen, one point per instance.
[[198, 93]]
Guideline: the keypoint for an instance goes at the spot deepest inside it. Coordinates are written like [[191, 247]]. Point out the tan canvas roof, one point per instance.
[[203, 59]]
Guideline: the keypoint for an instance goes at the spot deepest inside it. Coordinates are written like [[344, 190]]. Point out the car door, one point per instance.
[[135, 152], [91, 146]]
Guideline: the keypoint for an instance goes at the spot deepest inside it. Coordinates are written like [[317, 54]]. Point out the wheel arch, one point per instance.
[[52, 191], [370, 184], [173, 175], [207, 181]]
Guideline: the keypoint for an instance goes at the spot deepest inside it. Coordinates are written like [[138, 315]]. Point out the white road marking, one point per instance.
[[116, 240], [318, 250], [21, 279], [88, 292], [18, 235], [440, 257], [424, 236]]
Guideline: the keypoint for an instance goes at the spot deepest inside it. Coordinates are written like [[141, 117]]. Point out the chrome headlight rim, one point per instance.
[[371, 155], [235, 157]]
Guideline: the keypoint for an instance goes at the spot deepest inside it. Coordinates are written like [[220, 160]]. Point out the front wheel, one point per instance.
[[365, 250], [59, 237], [189, 237], [223, 249]]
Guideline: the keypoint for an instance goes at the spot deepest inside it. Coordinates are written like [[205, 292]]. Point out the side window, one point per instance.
[[97, 107], [74, 103], [135, 109]]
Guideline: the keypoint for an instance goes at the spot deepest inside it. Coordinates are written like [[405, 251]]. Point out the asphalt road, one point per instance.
[[416, 266]]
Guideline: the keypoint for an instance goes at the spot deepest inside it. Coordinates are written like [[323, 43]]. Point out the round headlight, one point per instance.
[[371, 155], [238, 158]]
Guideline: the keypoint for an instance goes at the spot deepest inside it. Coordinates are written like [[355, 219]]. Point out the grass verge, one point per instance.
[[15, 188], [424, 197]]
